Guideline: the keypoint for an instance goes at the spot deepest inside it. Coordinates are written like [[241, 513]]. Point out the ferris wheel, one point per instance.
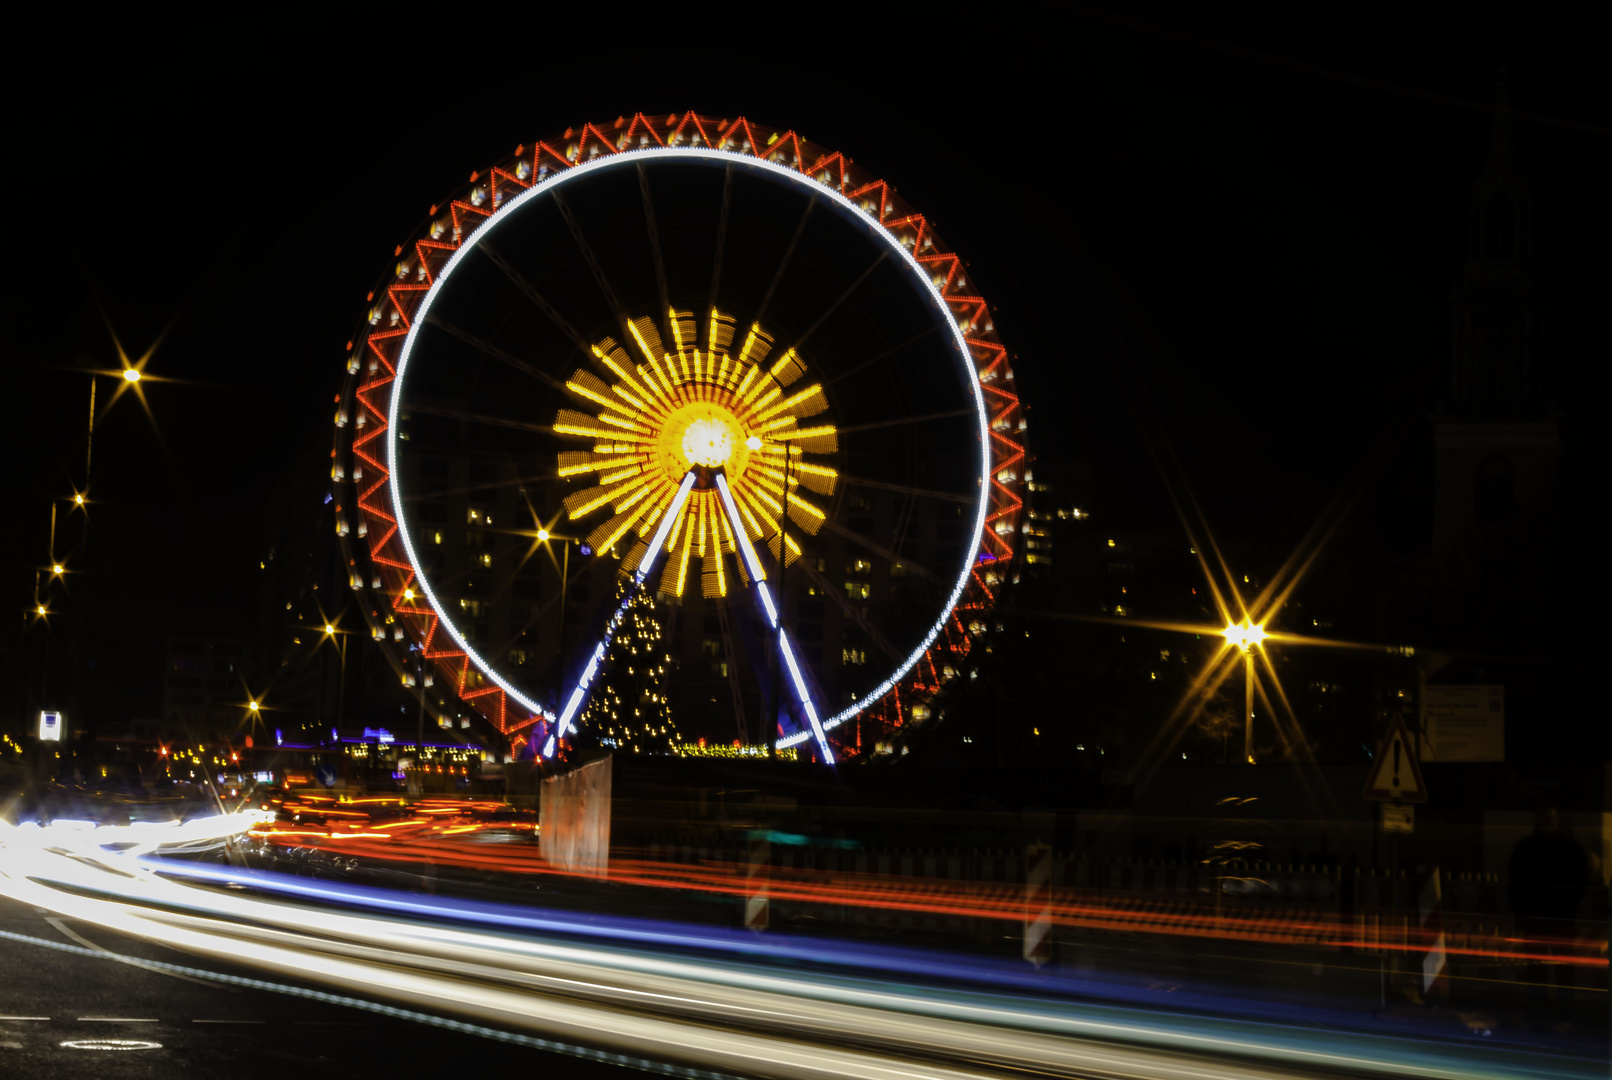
[[696, 362]]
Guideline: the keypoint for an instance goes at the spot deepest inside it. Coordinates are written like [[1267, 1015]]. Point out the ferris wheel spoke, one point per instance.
[[450, 413], [654, 238], [494, 351], [850, 610], [592, 260], [876, 357], [907, 489], [800, 342], [907, 420], [441, 493], [789, 253], [529, 291], [883, 552], [721, 233], [570, 581]]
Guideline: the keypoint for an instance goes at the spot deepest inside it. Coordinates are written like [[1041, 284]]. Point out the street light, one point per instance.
[[341, 680], [58, 569], [251, 706], [131, 374], [1247, 636]]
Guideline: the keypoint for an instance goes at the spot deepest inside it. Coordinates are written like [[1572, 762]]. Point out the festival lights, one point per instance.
[[669, 412], [625, 406]]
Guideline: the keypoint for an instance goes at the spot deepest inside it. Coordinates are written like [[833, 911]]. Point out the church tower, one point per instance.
[[1497, 445]]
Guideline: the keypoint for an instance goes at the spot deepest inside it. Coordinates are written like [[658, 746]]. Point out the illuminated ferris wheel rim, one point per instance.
[[906, 258]]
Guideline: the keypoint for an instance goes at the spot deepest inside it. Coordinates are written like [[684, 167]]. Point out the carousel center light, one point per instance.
[[708, 441]]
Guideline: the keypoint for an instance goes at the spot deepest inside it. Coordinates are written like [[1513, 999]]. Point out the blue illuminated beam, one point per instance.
[[580, 694], [748, 553]]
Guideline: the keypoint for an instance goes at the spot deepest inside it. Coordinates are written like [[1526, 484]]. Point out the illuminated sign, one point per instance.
[[50, 726], [378, 734]]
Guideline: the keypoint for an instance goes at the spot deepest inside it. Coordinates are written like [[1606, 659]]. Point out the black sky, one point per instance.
[[1265, 252]]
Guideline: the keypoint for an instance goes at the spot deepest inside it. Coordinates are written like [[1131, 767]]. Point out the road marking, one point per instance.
[[88, 944], [24, 1018], [111, 1044], [229, 1021], [119, 1019]]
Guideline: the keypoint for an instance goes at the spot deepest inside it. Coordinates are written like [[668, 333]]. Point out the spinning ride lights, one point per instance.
[[701, 410], [686, 456]]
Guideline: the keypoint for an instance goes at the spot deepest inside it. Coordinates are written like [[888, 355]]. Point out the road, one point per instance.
[[658, 994], [51, 998]]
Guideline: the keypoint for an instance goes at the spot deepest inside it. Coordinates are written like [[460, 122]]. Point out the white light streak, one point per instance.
[[740, 1016]]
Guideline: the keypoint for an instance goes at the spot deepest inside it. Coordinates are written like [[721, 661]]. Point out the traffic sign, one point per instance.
[[326, 775], [1395, 775]]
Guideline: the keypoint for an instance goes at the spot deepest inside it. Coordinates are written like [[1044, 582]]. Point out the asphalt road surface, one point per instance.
[[55, 1005]]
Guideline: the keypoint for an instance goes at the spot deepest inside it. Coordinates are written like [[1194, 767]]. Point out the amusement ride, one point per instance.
[[695, 359]]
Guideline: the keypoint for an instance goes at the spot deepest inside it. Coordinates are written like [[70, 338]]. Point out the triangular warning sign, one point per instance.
[[1395, 776]]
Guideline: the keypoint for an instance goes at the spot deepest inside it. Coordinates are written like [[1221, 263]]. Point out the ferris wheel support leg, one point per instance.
[[753, 565], [580, 693]]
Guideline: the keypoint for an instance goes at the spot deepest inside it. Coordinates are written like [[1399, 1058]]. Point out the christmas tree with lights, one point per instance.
[[628, 711]]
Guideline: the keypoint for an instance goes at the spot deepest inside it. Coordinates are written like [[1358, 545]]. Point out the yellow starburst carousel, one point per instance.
[[701, 413]]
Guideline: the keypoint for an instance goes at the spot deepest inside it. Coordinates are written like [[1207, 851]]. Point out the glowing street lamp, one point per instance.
[[58, 569], [131, 374], [251, 706], [1245, 636]]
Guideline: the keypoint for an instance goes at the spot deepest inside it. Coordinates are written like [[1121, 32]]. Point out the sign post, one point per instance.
[[51, 724], [1395, 774], [1395, 780], [1038, 903]]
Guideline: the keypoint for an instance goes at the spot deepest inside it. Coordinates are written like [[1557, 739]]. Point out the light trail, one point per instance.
[[631, 987], [1181, 916]]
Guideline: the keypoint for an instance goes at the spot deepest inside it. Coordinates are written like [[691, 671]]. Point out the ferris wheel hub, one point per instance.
[[708, 441]]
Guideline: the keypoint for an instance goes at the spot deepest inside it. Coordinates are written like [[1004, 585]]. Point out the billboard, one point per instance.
[[51, 724], [1464, 723]]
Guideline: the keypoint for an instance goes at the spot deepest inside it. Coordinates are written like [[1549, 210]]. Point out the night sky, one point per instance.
[[1259, 252]]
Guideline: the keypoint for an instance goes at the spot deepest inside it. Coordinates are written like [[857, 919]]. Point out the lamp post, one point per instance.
[[1247, 636], [340, 638]]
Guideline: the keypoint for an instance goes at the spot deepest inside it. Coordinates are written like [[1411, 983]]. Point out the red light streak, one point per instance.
[[407, 841]]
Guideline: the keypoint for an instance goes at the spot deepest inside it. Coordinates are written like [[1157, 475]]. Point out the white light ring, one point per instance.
[[732, 157]]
